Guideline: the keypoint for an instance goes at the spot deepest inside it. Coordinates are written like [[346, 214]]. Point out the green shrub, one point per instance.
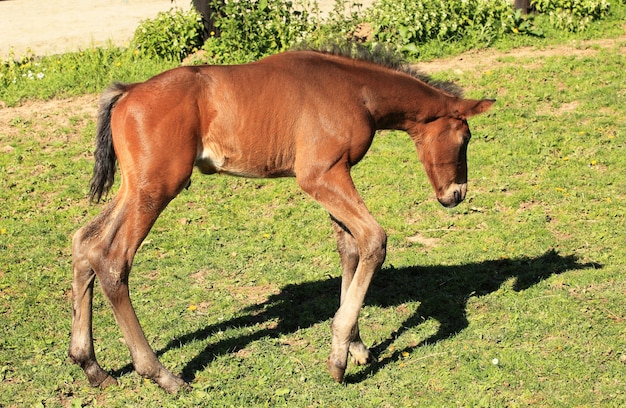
[[341, 24], [14, 69], [410, 23], [251, 29], [572, 15], [170, 35]]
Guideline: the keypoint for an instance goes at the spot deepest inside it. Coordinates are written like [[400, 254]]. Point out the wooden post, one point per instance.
[[208, 19], [524, 5]]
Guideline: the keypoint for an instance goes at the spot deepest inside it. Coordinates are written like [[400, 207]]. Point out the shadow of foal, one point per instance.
[[443, 292]]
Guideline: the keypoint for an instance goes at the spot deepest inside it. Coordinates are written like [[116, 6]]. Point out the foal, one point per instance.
[[301, 114]]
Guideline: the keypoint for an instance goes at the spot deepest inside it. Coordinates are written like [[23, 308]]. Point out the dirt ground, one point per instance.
[[48, 27], [55, 26], [483, 59]]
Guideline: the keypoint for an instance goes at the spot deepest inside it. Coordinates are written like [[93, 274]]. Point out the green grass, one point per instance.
[[28, 77], [236, 285]]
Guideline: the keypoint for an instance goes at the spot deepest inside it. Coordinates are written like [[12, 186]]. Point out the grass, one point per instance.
[[90, 70], [236, 285]]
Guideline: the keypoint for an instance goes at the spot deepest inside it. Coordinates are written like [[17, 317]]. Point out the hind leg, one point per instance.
[[114, 270], [107, 248], [81, 349]]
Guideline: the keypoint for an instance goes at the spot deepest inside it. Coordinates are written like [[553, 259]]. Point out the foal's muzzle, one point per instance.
[[453, 195]]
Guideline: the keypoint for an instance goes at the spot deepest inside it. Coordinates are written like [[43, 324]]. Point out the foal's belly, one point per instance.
[[212, 159]]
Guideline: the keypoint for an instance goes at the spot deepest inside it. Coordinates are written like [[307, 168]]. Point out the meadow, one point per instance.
[[513, 298]]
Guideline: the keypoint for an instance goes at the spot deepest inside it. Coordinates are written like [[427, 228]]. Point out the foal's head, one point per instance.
[[442, 147]]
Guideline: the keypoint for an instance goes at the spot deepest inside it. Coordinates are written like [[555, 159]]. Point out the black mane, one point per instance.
[[387, 57]]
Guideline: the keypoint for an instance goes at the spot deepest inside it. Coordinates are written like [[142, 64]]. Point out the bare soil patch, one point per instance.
[[51, 27]]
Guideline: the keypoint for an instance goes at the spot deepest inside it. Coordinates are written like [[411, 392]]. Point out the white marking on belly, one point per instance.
[[213, 160], [210, 159]]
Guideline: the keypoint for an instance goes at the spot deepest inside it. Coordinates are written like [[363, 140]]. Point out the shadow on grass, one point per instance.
[[443, 292]]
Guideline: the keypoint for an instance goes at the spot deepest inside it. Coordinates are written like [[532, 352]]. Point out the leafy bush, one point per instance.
[[170, 35], [572, 15], [250, 29], [410, 22], [344, 23], [15, 69]]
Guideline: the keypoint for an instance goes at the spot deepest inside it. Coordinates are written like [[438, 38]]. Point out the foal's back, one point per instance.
[[253, 119]]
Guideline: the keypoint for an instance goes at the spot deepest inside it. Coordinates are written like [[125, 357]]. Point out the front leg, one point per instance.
[[345, 323], [335, 190], [349, 256]]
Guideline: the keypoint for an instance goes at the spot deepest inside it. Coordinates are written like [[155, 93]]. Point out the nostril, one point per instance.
[[457, 196]]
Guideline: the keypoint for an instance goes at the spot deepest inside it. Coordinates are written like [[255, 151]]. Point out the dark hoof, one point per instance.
[[337, 372], [109, 381]]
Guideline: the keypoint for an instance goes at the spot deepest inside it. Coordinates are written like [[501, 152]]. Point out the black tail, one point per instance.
[[104, 168]]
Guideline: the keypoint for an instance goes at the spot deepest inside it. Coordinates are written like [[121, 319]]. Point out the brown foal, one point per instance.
[[303, 114]]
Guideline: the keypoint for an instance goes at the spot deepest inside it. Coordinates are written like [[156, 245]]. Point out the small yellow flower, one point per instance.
[[608, 199], [515, 30], [593, 162], [191, 308], [405, 354], [3, 231], [118, 64], [565, 158]]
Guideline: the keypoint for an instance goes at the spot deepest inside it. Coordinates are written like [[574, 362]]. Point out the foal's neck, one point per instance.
[[399, 101]]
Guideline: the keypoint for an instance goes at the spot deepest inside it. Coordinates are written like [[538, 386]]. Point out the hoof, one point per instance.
[[109, 381], [98, 377], [336, 371], [173, 384], [360, 355]]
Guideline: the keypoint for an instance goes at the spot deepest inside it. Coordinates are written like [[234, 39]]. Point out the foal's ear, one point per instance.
[[466, 108]]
